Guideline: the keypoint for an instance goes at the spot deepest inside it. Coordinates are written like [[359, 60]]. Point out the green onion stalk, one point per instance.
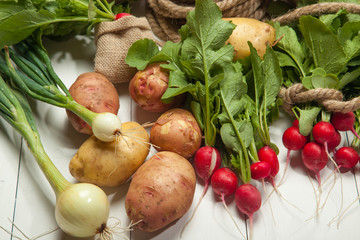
[[82, 209], [35, 76]]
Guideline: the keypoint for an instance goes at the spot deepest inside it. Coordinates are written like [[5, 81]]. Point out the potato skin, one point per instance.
[[95, 92], [110, 164], [161, 191], [253, 30], [147, 87], [176, 130]]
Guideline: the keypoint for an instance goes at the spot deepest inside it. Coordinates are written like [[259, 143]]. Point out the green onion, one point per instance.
[[35, 77], [82, 209]]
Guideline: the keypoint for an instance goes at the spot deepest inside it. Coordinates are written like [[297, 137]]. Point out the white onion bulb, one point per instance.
[[105, 126], [82, 210]]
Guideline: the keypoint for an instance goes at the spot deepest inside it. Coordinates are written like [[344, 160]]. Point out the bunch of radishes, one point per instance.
[[224, 182], [323, 143]]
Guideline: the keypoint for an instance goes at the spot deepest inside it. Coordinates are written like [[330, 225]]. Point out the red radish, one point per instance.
[[334, 142], [293, 140], [323, 132], [121, 15], [314, 158], [295, 123], [224, 183], [344, 122], [260, 170], [248, 201], [206, 161], [267, 154], [346, 157]]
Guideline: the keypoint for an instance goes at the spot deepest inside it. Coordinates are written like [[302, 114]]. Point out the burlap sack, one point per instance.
[[113, 39]]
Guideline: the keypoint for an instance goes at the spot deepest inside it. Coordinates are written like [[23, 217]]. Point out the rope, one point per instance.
[[330, 99], [317, 10]]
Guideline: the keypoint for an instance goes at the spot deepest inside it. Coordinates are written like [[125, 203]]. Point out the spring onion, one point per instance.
[[82, 209], [36, 77]]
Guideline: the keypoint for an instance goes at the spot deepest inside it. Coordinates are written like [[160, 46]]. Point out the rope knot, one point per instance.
[[330, 99]]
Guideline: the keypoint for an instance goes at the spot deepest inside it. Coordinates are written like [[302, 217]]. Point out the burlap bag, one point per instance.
[[113, 39]]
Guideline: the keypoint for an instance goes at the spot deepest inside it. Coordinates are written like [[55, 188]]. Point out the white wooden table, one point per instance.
[[27, 200]]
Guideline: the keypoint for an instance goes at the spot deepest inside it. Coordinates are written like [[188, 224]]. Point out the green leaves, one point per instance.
[[321, 52], [19, 19], [140, 53], [20, 25], [326, 48]]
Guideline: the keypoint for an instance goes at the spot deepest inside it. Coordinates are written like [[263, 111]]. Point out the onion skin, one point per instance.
[[82, 210]]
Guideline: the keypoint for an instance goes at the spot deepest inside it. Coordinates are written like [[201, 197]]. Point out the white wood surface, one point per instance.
[[27, 201]]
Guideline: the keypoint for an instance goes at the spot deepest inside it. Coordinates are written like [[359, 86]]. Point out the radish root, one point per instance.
[[228, 211], [197, 206], [115, 229]]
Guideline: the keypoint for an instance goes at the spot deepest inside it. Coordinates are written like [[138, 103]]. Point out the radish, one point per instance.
[[260, 170], [346, 157], [248, 201], [293, 140], [206, 161], [121, 15], [334, 142], [314, 158], [267, 154], [295, 123], [323, 132], [344, 122], [224, 183]]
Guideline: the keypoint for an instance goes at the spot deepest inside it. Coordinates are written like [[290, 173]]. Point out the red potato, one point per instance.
[[161, 191], [147, 87], [95, 92], [176, 130]]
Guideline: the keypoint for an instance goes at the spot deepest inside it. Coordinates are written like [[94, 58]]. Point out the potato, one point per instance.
[[161, 191], [95, 92], [176, 130], [249, 29], [147, 87], [111, 163]]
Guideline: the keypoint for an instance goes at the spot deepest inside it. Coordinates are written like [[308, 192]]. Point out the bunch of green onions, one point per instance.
[[35, 77], [82, 209]]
